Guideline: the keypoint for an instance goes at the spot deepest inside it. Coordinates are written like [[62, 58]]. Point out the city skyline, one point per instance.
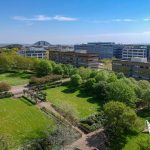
[[73, 22]]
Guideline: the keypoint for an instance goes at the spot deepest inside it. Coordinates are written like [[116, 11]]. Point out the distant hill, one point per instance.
[[42, 44]]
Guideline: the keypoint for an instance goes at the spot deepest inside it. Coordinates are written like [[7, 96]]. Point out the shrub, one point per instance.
[[4, 87], [46, 79], [93, 122], [43, 68], [76, 80]]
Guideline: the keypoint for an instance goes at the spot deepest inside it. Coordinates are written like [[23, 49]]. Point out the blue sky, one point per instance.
[[74, 21]]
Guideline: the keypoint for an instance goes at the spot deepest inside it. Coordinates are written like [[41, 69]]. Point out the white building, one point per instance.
[[131, 51]]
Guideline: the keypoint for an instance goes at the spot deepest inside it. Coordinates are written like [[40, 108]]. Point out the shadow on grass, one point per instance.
[[19, 74], [69, 90], [26, 102], [83, 94], [145, 113]]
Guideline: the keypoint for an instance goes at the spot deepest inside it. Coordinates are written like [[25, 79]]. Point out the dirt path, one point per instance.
[[18, 90]]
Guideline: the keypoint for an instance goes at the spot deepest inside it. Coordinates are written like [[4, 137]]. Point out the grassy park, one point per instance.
[[17, 78], [133, 140], [20, 121], [83, 105]]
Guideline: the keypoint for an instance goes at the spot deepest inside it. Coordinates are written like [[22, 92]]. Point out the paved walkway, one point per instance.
[[92, 141]]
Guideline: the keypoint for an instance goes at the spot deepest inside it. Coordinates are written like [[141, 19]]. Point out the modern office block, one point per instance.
[[137, 68]]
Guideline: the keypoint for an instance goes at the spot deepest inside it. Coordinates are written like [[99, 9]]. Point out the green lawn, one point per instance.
[[132, 140], [83, 105], [13, 79], [21, 121]]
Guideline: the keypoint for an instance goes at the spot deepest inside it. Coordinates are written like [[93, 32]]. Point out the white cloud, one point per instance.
[[146, 19], [123, 20], [44, 18], [62, 18]]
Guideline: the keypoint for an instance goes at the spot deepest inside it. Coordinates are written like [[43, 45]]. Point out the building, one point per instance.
[[131, 51], [103, 49], [34, 52], [117, 51], [78, 59], [137, 68]]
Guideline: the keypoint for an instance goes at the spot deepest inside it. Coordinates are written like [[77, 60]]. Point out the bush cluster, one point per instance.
[[45, 79], [93, 122], [4, 87], [106, 86]]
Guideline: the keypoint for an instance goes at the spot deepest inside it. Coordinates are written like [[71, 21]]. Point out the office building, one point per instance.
[[77, 59], [34, 52], [103, 49], [137, 68], [131, 51]]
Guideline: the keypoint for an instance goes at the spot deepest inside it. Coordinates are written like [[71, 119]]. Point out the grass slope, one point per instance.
[[83, 105], [21, 121], [14, 79], [133, 140]]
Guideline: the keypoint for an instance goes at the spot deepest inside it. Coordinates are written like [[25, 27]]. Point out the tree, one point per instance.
[[102, 76], [119, 117], [120, 75], [100, 90], [58, 69], [88, 85], [146, 97], [43, 68], [112, 78], [76, 80], [144, 143], [6, 62], [84, 73], [121, 91], [67, 69], [143, 84]]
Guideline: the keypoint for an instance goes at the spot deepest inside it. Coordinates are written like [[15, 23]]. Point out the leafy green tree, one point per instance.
[[68, 69], [143, 84], [102, 76], [100, 90], [58, 69], [6, 62], [144, 143], [88, 85], [146, 97], [112, 77], [43, 68], [76, 80], [119, 120], [119, 117], [84, 73], [121, 91], [120, 75]]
